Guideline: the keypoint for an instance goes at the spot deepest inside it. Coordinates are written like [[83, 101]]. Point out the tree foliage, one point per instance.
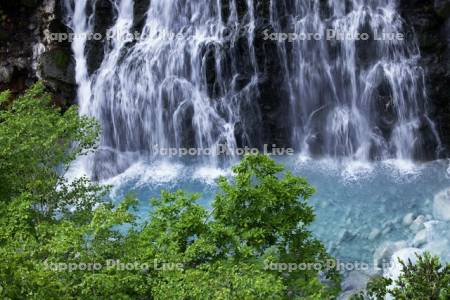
[[427, 279], [37, 139], [66, 240]]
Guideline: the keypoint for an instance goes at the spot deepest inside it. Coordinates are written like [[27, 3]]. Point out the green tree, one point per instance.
[[426, 279], [37, 143], [259, 216]]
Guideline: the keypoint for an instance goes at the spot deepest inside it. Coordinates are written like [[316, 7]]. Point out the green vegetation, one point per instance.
[[426, 279], [50, 225], [62, 240]]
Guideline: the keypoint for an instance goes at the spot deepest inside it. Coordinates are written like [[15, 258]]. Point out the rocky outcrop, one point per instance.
[[28, 52], [57, 69], [56, 65], [18, 33]]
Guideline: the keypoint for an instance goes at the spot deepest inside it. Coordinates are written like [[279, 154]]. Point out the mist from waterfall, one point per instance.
[[192, 79]]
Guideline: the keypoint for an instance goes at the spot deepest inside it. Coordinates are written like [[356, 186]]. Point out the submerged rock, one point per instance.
[[420, 239], [408, 219], [346, 236], [418, 224], [374, 234], [441, 206], [383, 254], [355, 281], [438, 243]]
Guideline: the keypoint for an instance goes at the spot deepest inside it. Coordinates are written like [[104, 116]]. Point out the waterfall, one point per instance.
[[191, 77], [81, 25], [353, 97]]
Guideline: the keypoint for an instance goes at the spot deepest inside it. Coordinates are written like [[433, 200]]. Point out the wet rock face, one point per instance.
[[431, 22], [28, 53], [58, 64], [140, 9], [442, 8], [57, 68], [18, 32], [104, 18]]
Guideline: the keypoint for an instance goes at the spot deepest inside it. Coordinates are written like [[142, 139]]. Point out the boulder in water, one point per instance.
[[353, 283], [417, 224], [441, 205], [408, 219], [420, 239], [383, 254], [375, 233]]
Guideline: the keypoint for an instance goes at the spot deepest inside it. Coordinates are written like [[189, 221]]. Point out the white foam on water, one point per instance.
[[348, 170], [351, 170], [209, 175], [438, 239], [354, 170], [403, 167], [77, 169], [404, 254], [325, 164], [160, 172], [142, 174], [303, 158]]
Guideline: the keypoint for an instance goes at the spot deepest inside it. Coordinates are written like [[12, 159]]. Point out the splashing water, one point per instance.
[[193, 78]]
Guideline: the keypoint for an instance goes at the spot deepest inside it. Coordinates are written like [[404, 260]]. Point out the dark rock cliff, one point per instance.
[[18, 34], [28, 53]]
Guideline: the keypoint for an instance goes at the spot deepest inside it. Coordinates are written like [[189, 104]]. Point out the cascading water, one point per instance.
[[357, 91], [157, 91], [193, 78]]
